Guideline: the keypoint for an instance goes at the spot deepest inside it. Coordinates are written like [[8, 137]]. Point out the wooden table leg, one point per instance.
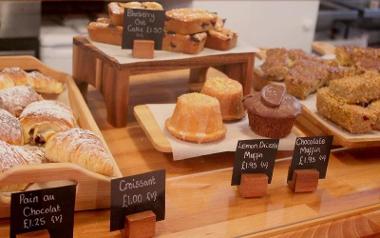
[[115, 87], [84, 68], [197, 78]]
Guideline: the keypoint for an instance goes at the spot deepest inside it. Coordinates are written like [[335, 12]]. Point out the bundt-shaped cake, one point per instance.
[[196, 118], [229, 93]]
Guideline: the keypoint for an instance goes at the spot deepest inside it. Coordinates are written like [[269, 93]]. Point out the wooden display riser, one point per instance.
[[92, 66]]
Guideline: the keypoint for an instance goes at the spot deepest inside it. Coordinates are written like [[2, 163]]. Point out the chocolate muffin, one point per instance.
[[272, 111]]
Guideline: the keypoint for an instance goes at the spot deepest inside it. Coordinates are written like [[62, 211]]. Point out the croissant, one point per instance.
[[40, 82], [41, 119], [80, 147], [5, 81], [16, 74], [12, 156], [10, 128], [15, 99], [44, 84]]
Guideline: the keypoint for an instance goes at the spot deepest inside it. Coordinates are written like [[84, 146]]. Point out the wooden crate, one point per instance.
[[93, 190]]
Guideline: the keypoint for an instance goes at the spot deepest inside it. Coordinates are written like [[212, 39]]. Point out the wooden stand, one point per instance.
[[140, 225], [92, 66], [304, 180], [143, 49], [35, 234], [253, 185]]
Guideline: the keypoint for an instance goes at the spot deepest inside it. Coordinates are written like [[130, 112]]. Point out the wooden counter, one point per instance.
[[201, 202]]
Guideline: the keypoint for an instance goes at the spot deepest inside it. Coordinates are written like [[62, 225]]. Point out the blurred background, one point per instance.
[[45, 28]]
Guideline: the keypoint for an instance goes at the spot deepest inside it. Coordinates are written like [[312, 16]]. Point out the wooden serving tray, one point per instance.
[[92, 188], [152, 130]]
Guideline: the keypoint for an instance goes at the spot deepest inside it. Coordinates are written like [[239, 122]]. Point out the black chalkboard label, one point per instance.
[[142, 24], [254, 156], [46, 209], [311, 153], [135, 194]]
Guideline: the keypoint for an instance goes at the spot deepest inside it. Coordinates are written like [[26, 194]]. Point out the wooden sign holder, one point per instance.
[[253, 185], [304, 180], [143, 49], [92, 66], [140, 225], [35, 234]]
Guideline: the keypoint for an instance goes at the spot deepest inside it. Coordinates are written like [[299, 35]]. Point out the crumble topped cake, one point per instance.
[[190, 20], [188, 44]]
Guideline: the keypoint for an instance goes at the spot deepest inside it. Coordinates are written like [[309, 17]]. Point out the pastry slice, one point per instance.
[[353, 118], [359, 89], [116, 10], [103, 31], [190, 20], [10, 128], [305, 77], [222, 39], [15, 99], [80, 147], [13, 156], [188, 44], [42, 119], [42, 83]]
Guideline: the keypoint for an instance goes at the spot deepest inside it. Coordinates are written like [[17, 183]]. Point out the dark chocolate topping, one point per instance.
[[289, 107], [272, 95]]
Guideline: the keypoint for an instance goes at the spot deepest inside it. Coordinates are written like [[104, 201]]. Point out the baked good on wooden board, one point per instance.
[[12, 156], [222, 39], [10, 128], [15, 99], [42, 119], [229, 93], [80, 147], [190, 20], [103, 31], [196, 118], [188, 44]]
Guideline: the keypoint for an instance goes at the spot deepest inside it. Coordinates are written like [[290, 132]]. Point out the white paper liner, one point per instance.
[[235, 131], [124, 56]]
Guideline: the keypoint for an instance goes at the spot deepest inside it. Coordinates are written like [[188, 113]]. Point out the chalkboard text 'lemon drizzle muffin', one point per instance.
[[196, 118]]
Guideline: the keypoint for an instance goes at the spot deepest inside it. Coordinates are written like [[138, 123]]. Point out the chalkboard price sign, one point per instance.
[[46, 209], [254, 156], [311, 153], [142, 24], [135, 194]]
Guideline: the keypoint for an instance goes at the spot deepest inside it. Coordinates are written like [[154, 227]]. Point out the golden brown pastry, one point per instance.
[[103, 31], [40, 120], [80, 147], [12, 156], [15, 99], [197, 118], [18, 75], [190, 20], [44, 84], [40, 82], [229, 93], [10, 128], [5, 81], [222, 39]]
